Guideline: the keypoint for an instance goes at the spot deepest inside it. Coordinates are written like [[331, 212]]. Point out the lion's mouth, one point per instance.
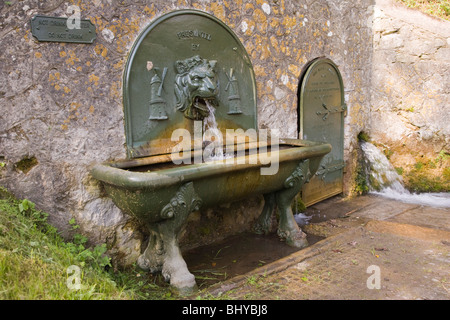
[[201, 108], [204, 104]]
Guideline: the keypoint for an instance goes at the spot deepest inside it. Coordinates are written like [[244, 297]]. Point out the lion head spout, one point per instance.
[[195, 86]]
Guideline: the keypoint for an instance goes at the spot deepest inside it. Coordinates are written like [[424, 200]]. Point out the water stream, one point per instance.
[[386, 182], [212, 137]]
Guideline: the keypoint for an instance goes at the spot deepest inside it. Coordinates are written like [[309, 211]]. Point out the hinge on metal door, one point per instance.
[[323, 171], [329, 110]]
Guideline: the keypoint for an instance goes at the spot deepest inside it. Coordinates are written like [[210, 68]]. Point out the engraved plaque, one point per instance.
[[56, 29]]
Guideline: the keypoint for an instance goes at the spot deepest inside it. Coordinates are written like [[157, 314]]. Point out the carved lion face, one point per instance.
[[195, 85]]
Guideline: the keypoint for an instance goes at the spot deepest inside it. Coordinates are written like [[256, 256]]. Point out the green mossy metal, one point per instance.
[[161, 58], [163, 253], [163, 199], [288, 229], [321, 118]]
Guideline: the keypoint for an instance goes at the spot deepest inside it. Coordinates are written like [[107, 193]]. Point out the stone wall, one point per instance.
[[410, 113], [62, 103]]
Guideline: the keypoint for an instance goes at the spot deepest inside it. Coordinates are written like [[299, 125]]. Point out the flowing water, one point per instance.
[[385, 181], [212, 137], [301, 218]]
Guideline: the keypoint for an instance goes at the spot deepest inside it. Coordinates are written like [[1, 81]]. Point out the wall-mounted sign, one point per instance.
[[57, 29]]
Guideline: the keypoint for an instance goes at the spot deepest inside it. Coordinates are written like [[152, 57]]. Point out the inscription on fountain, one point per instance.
[[189, 34]]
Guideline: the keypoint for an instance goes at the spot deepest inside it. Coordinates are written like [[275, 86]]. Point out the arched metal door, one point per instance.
[[321, 118]]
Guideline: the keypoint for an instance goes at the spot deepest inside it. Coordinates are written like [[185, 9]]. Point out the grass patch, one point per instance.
[[429, 175], [437, 8], [418, 181], [37, 264], [446, 174]]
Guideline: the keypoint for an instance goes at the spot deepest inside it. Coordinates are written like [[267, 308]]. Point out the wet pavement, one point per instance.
[[371, 248], [237, 255]]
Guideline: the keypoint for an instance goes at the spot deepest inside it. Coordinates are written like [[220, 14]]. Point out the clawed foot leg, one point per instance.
[[288, 229], [175, 270], [290, 232], [262, 225], [163, 253]]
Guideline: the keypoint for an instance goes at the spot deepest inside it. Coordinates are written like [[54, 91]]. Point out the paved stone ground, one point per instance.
[[375, 249]]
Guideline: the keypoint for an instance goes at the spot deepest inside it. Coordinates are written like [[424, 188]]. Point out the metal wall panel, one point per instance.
[[321, 118]]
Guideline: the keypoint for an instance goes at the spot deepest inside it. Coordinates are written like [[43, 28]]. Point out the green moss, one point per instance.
[[421, 182], [418, 166], [298, 205], [427, 177], [446, 174], [204, 231], [26, 164], [431, 164], [362, 136], [361, 186], [388, 153], [443, 156], [437, 8]]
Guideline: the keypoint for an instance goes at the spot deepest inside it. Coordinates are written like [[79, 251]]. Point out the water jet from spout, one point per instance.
[[212, 137]]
